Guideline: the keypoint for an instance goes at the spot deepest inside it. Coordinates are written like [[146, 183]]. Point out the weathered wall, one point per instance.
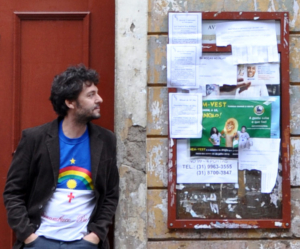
[[130, 122], [159, 236], [141, 125]]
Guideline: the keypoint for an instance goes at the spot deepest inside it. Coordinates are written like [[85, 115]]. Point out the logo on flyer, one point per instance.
[[259, 110]]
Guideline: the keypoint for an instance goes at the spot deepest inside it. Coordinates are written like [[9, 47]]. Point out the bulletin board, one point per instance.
[[242, 204]]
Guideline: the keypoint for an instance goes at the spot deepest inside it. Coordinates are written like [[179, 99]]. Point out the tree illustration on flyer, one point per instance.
[[229, 124]]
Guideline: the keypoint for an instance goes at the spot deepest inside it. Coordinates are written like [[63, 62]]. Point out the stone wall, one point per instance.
[[159, 236], [141, 125]]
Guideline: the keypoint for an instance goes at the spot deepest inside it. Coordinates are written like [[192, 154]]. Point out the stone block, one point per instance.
[[295, 161], [157, 162], [295, 109], [157, 111], [222, 244], [157, 59], [294, 58]]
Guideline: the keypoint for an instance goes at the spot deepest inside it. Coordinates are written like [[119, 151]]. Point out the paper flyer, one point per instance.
[[185, 28], [185, 115], [183, 65]]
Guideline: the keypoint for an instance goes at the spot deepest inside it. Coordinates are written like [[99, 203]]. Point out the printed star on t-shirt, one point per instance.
[[72, 161]]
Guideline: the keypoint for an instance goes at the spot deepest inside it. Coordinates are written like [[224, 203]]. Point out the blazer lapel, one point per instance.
[[96, 146], [52, 142]]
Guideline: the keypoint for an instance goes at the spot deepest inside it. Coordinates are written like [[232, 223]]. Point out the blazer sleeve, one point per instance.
[[106, 209], [15, 192]]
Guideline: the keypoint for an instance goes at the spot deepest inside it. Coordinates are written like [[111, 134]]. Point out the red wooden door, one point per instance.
[[39, 39]]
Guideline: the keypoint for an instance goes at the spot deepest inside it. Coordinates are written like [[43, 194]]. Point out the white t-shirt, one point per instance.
[[216, 138], [243, 136], [254, 91], [67, 214]]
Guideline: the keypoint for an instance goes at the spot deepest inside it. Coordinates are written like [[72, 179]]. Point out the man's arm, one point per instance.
[[16, 189]]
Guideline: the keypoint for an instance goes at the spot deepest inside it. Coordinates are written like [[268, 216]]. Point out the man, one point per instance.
[[62, 186], [251, 70]]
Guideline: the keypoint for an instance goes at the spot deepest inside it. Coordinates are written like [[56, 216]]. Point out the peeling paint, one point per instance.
[[214, 208], [278, 224], [295, 161], [156, 164], [295, 13], [224, 225], [274, 199], [161, 7], [272, 6], [202, 226], [180, 186]]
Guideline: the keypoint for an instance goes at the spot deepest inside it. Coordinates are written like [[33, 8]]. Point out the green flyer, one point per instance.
[[230, 123]]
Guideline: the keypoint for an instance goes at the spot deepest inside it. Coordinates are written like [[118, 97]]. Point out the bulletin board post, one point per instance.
[[226, 205]]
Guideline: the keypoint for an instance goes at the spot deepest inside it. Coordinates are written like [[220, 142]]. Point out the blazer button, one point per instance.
[[53, 188], [40, 206]]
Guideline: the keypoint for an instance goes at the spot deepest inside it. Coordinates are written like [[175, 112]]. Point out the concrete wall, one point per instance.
[[141, 125]]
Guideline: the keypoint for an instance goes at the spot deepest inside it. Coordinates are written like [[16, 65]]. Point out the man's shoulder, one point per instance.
[[101, 130], [40, 129]]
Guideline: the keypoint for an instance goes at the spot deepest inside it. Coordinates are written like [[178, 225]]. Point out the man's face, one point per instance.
[[88, 104], [243, 129], [251, 71]]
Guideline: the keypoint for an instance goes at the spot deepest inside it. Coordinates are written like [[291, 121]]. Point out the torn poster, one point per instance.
[[261, 154]]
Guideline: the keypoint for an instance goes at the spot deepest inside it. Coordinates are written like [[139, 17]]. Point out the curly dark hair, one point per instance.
[[212, 131], [69, 84]]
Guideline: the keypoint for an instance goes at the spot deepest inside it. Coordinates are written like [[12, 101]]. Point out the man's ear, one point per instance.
[[70, 103]]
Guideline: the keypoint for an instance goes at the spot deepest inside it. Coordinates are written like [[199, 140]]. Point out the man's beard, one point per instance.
[[84, 116]]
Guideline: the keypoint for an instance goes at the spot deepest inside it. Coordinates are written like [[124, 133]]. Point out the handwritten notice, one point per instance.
[[203, 170], [185, 115], [185, 28]]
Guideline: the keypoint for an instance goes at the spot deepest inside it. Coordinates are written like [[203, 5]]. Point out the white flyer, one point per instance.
[[217, 69], [183, 65], [199, 170], [185, 115], [257, 74], [185, 28], [251, 41]]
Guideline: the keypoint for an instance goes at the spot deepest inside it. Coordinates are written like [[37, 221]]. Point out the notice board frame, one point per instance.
[[283, 49]]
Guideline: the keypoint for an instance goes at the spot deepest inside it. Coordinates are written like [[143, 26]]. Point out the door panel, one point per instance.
[[39, 39], [61, 39]]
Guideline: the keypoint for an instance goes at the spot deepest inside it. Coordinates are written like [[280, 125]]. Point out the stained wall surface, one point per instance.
[[158, 234]]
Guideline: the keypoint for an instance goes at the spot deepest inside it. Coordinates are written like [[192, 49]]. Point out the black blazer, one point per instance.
[[33, 176]]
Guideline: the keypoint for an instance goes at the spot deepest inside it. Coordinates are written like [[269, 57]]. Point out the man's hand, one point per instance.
[[92, 237], [31, 238]]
